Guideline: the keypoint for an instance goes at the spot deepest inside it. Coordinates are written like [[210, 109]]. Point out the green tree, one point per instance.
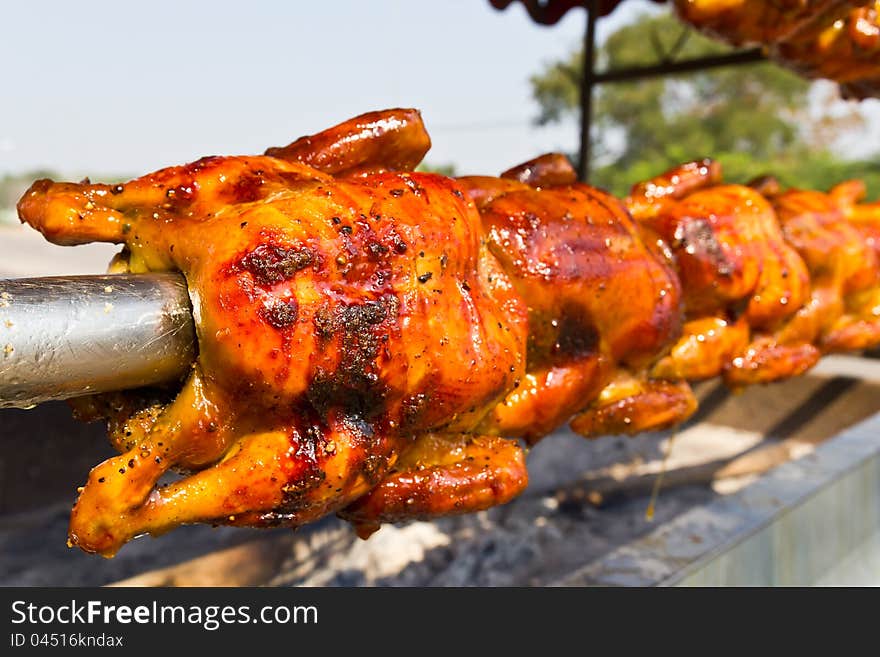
[[442, 169], [752, 118]]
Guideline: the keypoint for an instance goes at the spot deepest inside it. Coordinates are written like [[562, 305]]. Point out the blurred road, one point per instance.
[[24, 252]]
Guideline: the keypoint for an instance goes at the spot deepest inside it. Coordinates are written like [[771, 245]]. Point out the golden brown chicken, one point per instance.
[[865, 217], [759, 22], [352, 329], [573, 252], [372, 341], [843, 313], [742, 282], [844, 49], [367, 339], [834, 39]]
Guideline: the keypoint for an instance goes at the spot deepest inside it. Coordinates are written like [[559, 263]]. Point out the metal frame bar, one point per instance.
[[812, 520], [587, 84], [591, 78]]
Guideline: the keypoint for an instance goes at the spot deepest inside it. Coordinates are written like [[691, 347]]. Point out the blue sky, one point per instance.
[[96, 87], [126, 87]]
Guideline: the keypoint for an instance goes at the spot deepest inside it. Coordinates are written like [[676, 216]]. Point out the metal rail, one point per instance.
[[66, 336], [591, 78]]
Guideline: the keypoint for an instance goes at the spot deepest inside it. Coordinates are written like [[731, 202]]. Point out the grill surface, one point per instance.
[[551, 535]]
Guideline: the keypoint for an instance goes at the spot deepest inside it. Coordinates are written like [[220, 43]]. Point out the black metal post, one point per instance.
[[587, 83], [592, 79], [686, 66]]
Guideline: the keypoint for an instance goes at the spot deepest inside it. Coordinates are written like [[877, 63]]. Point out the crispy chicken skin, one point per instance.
[[865, 217], [375, 342], [742, 282], [573, 252], [834, 39], [370, 339], [327, 347], [442, 475], [843, 313]]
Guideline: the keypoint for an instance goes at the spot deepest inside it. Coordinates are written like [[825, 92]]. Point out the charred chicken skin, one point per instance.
[[353, 331], [372, 341], [572, 250], [369, 338]]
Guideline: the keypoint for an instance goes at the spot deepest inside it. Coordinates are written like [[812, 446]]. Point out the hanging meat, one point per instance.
[[833, 39]]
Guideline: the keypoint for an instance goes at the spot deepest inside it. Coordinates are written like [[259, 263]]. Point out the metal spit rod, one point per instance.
[[68, 336]]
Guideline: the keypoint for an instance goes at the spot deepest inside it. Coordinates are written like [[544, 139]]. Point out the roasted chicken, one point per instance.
[[373, 342], [758, 22], [834, 39], [743, 283], [353, 332], [572, 250], [369, 337], [771, 279], [846, 50], [843, 313], [864, 216]]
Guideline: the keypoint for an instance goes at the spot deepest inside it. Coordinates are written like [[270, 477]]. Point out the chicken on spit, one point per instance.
[[571, 251], [353, 331], [743, 283], [367, 339], [771, 279], [372, 341], [843, 313]]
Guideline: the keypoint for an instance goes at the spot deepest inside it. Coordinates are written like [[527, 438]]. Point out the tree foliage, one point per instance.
[[442, 169], [752, 118]]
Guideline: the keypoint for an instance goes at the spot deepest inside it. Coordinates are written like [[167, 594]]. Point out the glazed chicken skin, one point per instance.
[[375, 342], [370, 339], [328, 361], [843, 313], [759, 22], [864, 217], [845, 49], [572, 252], [834, 39], [742, 282]]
